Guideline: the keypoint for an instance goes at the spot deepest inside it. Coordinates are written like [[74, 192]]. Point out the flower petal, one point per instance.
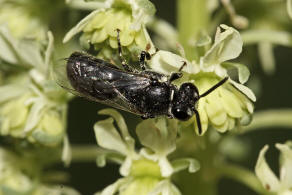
[[265, 174], [243, 72], [81, 25], [114, 188], [99, 36], [122, 126], [66, 151], [215, 110], [245, 90], [191, 164], [227, 46], [108, 137], [222, 128], [166, 62], [97, 22], [165, 187], [286, 164], [230, 103], [165, 167], [35, 114], [127, 37], [158, 134]]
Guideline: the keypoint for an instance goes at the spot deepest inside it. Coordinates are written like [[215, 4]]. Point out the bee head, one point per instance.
[[184, 101]]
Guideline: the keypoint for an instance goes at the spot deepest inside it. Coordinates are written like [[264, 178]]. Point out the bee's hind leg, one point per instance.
[[123, 60], [177, 75]]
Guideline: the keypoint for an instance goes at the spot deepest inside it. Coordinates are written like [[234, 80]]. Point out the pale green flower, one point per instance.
[[100, 27], [20, 175], [148, 170], [33, 106], [229, 105], [282, 185], [20, 18]]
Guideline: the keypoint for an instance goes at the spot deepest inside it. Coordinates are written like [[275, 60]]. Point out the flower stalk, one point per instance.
[[189, 30]]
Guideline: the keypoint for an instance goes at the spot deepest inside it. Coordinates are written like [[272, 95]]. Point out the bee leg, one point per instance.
[[147, 116], [177, 75], [174, 76], [144, 55], [123, 60]]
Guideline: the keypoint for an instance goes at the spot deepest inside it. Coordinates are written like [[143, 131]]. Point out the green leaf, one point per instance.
[[243, 72]]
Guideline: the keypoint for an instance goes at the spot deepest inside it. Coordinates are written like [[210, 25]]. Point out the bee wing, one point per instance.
[[134, 82]]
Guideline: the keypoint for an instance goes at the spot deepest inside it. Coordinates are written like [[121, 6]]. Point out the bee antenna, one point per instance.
[[63, 59], [214, 87], [199, 124]]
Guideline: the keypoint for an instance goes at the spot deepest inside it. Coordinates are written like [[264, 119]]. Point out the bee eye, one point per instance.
[[181, 114]]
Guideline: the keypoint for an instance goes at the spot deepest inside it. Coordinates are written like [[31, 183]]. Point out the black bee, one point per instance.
[[145, 93]]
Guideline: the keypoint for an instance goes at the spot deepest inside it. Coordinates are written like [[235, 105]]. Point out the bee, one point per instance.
[[142, 92]]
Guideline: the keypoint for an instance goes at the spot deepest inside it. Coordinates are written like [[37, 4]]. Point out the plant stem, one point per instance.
[[270, 118], [84, 153], [192, 18]]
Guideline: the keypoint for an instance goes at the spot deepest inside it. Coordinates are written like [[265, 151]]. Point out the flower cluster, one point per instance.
[[32, 104], [229, 105], [21, 175], [27, 19], [148, 170], [100, 27]]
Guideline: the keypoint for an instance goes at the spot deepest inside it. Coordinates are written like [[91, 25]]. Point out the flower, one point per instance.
[[21, 175], [228, 105], [100, 27], [33, 106], [282, 185], [22, 19], [148, 170]]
